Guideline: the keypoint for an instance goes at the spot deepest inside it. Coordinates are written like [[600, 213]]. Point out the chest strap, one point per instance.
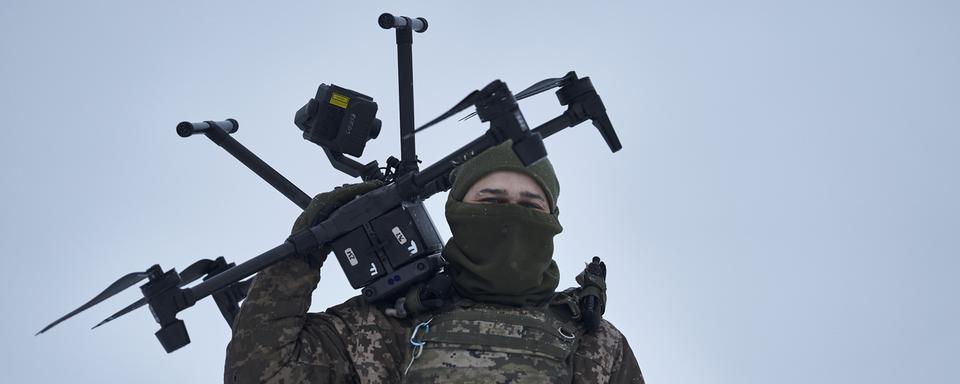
[[504, 330]]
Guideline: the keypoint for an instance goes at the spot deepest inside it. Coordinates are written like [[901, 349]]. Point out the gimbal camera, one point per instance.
[[384, 240]]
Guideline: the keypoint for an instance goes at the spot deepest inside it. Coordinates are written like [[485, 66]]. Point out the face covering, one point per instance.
[[502, 253]]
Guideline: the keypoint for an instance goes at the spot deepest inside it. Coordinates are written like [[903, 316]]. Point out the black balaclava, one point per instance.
[[502, 253]]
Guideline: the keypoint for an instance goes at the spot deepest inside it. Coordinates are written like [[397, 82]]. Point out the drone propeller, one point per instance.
[[468, 101], [122, 283], [537, 88], [128, 309], [189, 275], [198, 269], [546, 85]]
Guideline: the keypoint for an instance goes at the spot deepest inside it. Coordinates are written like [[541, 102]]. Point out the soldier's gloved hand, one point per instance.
[[322, 206]]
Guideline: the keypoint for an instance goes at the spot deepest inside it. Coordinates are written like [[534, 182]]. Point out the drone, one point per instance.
[[384, 240]]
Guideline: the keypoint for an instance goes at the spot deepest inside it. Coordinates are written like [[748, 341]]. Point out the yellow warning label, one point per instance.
[[339, 100]]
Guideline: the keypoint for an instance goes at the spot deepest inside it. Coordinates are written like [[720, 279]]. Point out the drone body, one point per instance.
[[384, 240]]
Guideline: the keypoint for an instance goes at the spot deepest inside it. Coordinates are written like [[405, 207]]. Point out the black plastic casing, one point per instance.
[[339, 119], [390, 252]]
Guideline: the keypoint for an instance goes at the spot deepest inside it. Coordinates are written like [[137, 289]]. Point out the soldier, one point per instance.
[[501, 322]]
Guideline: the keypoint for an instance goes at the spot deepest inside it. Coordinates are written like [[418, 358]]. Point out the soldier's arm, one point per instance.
[[276, 341], [626, 369]]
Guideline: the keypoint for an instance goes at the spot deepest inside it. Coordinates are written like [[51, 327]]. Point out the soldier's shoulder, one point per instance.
[[599, 356], [355, 310], [359, 313], [607, 336], [373, 341], [599, 351], [566, 304], [353, 304]]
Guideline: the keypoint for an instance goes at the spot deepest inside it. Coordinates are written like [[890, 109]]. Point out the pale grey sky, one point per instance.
[[784, 209]]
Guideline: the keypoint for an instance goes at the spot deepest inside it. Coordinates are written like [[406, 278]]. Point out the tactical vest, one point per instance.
[[485, 343]]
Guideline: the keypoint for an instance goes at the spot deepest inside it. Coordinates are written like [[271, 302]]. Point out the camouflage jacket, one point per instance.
[[275, 340]]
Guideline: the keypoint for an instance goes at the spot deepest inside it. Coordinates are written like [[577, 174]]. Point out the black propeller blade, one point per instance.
[[195, 271], [122, 283], [128, 309], [468, 101], [198, 269], [537, 88], [546, 85]]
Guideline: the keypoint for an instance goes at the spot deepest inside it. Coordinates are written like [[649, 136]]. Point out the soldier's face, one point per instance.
[[507, 187]]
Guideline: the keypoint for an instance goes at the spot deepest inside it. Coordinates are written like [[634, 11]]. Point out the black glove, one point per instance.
[[322, 206]]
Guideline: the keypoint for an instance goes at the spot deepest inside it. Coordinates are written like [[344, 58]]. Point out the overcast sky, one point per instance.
[[784, 209]]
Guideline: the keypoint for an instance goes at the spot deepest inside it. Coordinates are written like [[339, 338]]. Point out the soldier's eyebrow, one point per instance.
[[531, 195], [492, 191]]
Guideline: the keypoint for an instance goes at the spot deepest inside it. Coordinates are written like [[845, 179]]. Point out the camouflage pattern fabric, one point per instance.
[[485, 343], [276, 341]]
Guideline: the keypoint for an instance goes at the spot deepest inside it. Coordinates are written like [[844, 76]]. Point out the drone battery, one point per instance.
[[356, 255], [404, 236], [399, 237], [428, 232]]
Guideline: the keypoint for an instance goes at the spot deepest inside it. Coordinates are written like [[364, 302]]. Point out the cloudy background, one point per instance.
[[784, 209]]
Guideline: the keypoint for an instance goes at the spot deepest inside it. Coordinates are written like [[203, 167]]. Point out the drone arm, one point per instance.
[[243, 270], [557, 124], [219, 132], [583, 103], [351, 215], [581, 107]]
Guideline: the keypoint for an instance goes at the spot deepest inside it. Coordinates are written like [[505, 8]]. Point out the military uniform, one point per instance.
[[504, 322], [275, 340]]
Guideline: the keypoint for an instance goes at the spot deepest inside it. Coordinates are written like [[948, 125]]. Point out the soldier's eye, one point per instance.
[[531, 205], [494, 200]]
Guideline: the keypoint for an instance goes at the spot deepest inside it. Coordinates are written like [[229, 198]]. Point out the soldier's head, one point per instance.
[[508, 187], [503, 217], [499, 169]]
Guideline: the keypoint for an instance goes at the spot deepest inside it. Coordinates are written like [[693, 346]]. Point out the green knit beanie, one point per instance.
[[502, 158]]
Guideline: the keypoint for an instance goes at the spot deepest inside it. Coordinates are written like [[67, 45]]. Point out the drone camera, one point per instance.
[[339, 119]]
